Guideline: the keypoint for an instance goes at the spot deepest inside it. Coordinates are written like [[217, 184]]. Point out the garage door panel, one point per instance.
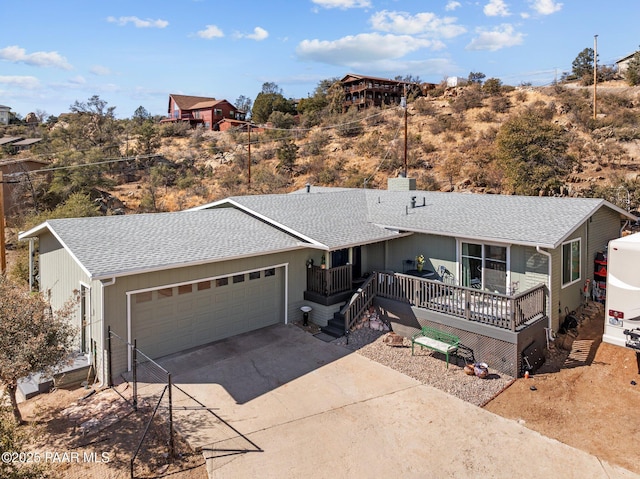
[[171, 322]]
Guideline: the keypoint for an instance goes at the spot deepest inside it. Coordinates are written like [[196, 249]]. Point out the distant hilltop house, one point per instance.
[[623, 63], [364, 91], [4, 114], [201, 111]]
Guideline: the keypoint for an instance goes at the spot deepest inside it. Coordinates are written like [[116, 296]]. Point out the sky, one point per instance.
[[135, 53]]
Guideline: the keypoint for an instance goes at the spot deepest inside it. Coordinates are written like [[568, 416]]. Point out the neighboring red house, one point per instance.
[[199, 110]]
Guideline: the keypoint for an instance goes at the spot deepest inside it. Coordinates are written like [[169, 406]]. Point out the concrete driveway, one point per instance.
[[285, 404]]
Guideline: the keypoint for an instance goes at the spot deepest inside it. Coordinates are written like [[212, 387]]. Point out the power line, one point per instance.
[[81, 165]]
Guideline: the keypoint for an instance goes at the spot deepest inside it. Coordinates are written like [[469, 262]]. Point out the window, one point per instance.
[[484, 266], [571, 262], [217, 111], [222, 282], [185, 289], [238, 278], [254, 275], [165, 293], [202, 285], [143, 297], [269, 272]]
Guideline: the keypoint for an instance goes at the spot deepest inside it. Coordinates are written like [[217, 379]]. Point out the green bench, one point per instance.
[[435, 340]]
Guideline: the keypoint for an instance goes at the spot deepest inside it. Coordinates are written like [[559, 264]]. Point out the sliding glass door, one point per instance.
[[484, 266]]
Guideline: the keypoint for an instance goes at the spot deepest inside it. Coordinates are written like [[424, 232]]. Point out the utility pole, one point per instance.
[[3, 255], [595, 74], [404, 101], [249, 132]]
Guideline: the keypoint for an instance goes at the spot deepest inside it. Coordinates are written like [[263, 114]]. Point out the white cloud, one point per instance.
[[492, 40], [452, 5], [15, 54], [421, 23], [78, 80], [100, 70], [26, 82], [546, 7], [211, 31], [496, 8], [258, 34], [362, 49], [139, 23], [343, 4]]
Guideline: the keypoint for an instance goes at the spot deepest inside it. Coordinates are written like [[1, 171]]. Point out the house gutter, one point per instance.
[[549, 327]]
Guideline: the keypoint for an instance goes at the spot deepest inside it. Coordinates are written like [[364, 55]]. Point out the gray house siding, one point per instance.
[[116, 295], [604, 228], [594, 233], [61, 278], [437, 250], [528, 267]]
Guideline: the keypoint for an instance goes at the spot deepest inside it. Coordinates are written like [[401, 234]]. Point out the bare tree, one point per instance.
[[33, 338]]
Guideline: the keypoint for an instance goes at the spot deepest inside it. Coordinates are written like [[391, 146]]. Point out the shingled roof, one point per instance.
[[341, 217], [187, 102], [325, 218], [109, 246]]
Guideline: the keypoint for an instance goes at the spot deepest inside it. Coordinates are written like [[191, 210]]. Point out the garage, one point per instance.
[[173, 318]]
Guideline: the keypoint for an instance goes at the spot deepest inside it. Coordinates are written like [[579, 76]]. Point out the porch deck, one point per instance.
[[509, 312]]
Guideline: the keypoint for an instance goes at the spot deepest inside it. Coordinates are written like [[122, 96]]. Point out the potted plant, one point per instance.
[[420, 262]]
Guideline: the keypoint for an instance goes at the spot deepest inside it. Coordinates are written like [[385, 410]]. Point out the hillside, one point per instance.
[[456, 142], [451, 147]]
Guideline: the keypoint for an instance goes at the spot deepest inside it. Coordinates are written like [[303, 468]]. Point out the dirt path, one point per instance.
[[590, 403]]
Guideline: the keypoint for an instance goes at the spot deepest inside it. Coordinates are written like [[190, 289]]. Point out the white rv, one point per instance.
[[622, 309]]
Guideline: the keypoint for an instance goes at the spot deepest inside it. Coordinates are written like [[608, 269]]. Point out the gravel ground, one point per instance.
[[427, 367]]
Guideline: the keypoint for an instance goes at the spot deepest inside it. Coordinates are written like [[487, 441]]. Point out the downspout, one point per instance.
[[626, 223], [549, 327], [105, 359], [31, 263]]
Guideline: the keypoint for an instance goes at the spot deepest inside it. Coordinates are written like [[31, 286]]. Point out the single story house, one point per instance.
[[200, 111], [498, 270]]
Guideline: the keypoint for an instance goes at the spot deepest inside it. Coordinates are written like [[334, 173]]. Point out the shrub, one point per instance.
[[500, 104], [486, 116], [179, 129], [424, 107], [471, 97], [350, 124]]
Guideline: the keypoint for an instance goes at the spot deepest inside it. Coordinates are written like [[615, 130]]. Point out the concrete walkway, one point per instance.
[[285, 404]]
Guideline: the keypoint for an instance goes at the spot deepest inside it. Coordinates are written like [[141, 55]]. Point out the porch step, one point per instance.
[[335, 327]]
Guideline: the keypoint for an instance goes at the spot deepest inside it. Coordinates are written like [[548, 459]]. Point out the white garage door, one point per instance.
[[171, 319]]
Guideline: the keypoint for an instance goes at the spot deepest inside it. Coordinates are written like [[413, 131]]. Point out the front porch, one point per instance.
[[496, 327], [502, 311], [327, 286]]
